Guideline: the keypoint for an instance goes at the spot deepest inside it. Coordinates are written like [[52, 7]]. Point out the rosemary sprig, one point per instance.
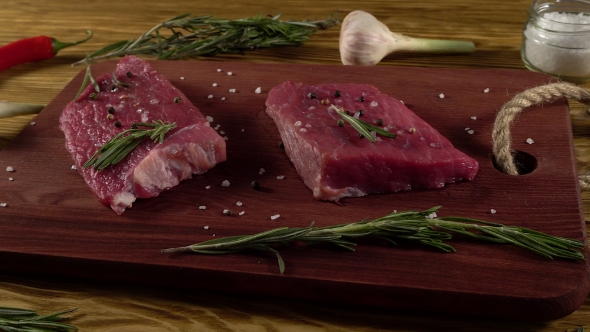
[[364, 128], [87, 78], [185, 36], [123, 143], [418, 227], [22, 320]]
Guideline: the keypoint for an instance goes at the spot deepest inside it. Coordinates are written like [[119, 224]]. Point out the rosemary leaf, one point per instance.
[[87, 77], [22, 320], [185, 36], [364, 128], [118, 147], [416, 227]]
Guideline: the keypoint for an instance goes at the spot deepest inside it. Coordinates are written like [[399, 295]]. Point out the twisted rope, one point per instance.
[[501, 137]]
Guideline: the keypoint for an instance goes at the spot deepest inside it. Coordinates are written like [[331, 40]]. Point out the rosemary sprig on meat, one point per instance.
[[364, 128], [417, 227], [185, 36], [87, 78], [22, 320], [123, 143]]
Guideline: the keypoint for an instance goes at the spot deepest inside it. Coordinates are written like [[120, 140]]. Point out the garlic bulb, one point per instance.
[[364, 40]]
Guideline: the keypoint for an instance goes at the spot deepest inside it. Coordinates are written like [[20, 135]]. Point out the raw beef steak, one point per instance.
[[138, 94], [336, 162]]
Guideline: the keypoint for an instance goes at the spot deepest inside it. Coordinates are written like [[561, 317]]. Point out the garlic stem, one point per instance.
[[438, 46], [8, 109], [364, 40]]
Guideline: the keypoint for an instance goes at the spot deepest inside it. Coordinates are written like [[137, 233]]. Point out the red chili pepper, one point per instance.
[[33, 49]]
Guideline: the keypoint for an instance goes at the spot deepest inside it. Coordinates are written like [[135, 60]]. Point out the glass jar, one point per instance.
[[556, 39]]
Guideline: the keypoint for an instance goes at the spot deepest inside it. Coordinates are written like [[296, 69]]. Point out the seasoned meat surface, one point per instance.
[[336, 162], [134, 93]]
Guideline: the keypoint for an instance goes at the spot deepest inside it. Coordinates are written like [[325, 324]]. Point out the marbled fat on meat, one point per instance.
[[335, 162], [193, 147]]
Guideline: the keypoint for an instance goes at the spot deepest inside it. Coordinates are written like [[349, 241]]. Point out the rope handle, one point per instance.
[[501, 137]]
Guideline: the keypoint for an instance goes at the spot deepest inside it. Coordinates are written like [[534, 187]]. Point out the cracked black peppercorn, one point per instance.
[[255, 184], [129, 74], [111, 110], [379, 122], [93, 96], [362, 99], [337, 94], [312, 95], [177, 100]]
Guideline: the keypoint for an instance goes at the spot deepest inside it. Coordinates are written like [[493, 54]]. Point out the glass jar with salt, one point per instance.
[[556, 39]]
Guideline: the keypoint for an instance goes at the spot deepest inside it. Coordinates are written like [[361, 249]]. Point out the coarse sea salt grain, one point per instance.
[[229, 73], [242, 213], [32, 123], [219, 70], [182, 77], [225, 183], [208, 187], [3, 204], [374, 103], [238, 203], [226, 138], [258, 90], [74, 168], [261, 171], [232, 90], [222, 98], [492, 211], [474, 117], [210, 96], [441, 96], [221, 132], [486, 90], [275, 216], [530, 140], [206, 227], [470, 131], [10, 169], [432, 215], [202, 207], [280, 177], [10, 179], [214, 84], [209, 118]]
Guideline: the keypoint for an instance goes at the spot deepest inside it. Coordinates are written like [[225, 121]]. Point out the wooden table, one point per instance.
[[494, 26]]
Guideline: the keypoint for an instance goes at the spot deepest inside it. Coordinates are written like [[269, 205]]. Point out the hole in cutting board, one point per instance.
[[525, 163]]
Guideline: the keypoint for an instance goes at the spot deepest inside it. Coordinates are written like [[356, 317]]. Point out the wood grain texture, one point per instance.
[[494, 27]]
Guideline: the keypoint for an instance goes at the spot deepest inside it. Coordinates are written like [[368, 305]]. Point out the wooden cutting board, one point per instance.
[[53, 225]]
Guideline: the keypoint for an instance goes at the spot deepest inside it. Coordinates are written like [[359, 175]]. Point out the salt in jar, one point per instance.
[[556, 39]]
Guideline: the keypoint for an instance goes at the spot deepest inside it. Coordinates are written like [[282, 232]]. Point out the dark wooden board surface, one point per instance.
[[53, 224]]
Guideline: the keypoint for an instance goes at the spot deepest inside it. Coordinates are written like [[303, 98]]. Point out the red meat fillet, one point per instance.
[[138, 94], [336, 162]]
